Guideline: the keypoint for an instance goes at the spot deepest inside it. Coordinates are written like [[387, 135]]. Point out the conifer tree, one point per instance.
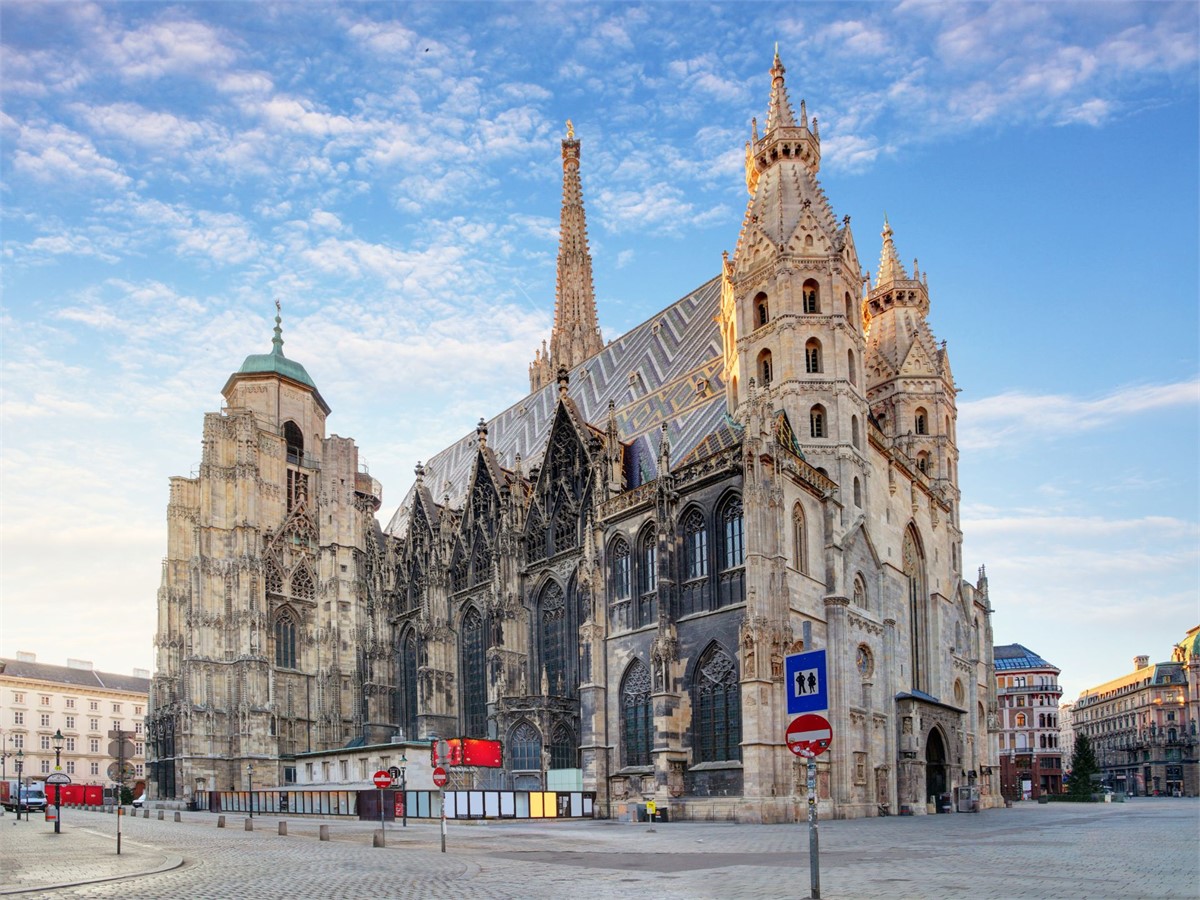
[[1083, 767]]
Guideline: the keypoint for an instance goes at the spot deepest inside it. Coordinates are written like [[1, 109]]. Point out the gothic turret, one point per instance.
[[576, 334]]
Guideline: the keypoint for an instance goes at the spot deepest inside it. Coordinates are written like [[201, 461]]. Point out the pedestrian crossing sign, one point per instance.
[[806, 682]]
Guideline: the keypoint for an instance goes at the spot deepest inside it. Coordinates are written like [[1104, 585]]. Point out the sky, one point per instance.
[[391, 174]]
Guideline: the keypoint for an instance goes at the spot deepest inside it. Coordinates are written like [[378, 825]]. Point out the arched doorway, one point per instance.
[[936, 781]]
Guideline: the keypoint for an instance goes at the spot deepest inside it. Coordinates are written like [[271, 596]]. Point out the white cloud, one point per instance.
[[171, 45], [54, 154], [1013, 417]]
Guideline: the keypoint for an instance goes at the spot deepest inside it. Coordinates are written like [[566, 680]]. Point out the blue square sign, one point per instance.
[[807, 684]]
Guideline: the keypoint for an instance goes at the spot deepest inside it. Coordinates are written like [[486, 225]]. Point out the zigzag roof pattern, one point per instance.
[[650, 373]]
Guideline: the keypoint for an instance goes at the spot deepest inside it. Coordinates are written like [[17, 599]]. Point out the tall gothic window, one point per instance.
[[552, 619], [565, 537], [695, 545], [800, 539], [473, 652], [408, 686], [851, 367], [562, 748], [812, 356], [647, 576], [637, 719], [525, 747], [481, 559], [914, 574], [734, 549], [273, 578], [717, 721], [302, 584], [620, 557], [285, 641], [860, 592]]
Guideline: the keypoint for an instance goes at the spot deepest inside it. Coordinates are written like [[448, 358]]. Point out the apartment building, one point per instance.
[[1027, 692]]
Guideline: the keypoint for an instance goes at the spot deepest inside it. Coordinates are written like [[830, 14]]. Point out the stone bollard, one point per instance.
[[249, 824], [324, 830], [160, 815], [178, 817], [145, 813], [377, 839], [220, 821], [283, 828]]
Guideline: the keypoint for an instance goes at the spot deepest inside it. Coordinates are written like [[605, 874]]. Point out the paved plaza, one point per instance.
[[1145, 848]]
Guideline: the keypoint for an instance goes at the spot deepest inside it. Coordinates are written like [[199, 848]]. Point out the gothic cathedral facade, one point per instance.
[[607, 576]]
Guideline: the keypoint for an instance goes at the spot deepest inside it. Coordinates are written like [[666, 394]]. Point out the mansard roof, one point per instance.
[[83, 678], [668, 369], [1015, 656]]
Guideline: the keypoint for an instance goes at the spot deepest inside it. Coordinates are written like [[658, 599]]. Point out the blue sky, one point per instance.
[[391, 173]]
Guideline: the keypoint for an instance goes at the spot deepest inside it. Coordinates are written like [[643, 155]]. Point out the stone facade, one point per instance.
[[608, 576]]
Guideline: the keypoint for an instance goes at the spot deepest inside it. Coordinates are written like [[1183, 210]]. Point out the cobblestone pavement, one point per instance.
[[1145, 848]]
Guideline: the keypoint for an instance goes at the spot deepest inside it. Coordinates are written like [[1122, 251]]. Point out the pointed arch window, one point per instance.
[[481, 559], [695, 545], [762, 311], [816, 421], [812, 297], [636, 715], [619, 557], [855, 436], [552, 619], [765, 368], [407, 714], [734, 546], [851, 368], [717, 722], [857, 492], [921, 421], [293, 437], [923, 462], [562, 748], [812, 356], [860, 592], [914, 573], [647, 607], [525, 746], [565, 537], [273, 578], [850, 317], [302, 584], [799, 539], [473, 661], [285, 640]]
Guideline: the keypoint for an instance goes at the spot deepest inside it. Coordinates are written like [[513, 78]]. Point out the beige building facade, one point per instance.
[[608, 576], [38, 700]]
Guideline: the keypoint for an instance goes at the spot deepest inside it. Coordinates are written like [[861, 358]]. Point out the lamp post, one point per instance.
[[403, 794], [250, 780], [4, 762], [58, 745], [20, 765]]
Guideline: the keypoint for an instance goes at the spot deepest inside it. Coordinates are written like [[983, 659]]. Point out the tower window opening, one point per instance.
[[921, 421], [762, 311], [816, 421], [812, 299], [851, 368], [765, 370], [812, 356]]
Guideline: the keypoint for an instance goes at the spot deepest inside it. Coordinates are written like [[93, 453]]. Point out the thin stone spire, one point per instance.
[[890, 267], [779, 112], [576, 334]]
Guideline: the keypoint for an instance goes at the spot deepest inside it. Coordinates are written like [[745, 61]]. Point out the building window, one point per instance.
[[812, 356], [918, 598], [408, 686], [93, 724], [93, 745], [139, 749], [799, 539], [855, 437], [18, 696], [734, 548], [562, 748], [717, 730], [851, 368], [636, 715], [45, 720], [695, 545], [816, 421], [45, 743], [921, 421], [95, 768], [923, 462], [552, 611], [1020, 720], [857, 492], [619, 555], [70, 745], [285, 641], [18, 741], [94, 705], [525, 745], [137, 710], [70, 767], [764, 368], [45, 767], [70, 703], [70, 721], [860, 592], [812, 299], [18, 717], [137, 727], [762, 312], [648, 557], [473, 668], [117, 708]]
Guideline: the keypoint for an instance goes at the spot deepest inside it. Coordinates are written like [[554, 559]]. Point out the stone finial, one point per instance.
[[564, 380], [481, 433], [419, 471]]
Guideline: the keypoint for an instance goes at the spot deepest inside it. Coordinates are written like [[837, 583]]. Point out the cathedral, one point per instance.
[[607, 576]]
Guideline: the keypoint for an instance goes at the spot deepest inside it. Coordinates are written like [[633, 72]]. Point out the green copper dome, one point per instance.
[[275, 362]]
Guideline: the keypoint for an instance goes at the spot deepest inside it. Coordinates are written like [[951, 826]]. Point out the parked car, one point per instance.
[[139, 800]]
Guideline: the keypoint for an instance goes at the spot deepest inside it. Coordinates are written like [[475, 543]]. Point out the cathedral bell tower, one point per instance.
[[576, 334], [791, 308]]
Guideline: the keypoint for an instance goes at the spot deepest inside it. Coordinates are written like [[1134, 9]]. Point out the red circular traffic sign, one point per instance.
[[439, 776], [809, 735], [382, 779]]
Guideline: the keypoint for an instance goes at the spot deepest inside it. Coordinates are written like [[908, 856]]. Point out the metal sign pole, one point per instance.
[[382, 826], [443, 820], [814, 855]]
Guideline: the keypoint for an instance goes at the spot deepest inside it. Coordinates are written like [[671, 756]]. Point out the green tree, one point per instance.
[[1083, 767]]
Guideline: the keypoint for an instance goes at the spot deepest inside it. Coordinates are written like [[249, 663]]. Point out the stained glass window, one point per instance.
[[637, 718], [562, 748], [717, 721], [619, 554], [695, 544], [525, 747], [473, 670], [285, 641], [735, 547], [553, 614]]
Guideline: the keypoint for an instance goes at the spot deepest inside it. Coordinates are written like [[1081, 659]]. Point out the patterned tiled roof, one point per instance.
[[1015, 656], [651, 373], [84, 678]]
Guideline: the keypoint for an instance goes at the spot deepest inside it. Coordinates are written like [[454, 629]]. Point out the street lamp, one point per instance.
[[20, 764], [250, 780], [403, 793], [58, 745]]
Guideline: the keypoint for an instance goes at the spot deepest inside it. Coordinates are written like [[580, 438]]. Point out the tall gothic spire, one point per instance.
[[779, 111], [890, 267], [576, 334]]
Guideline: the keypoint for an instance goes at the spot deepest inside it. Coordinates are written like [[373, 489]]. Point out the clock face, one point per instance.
[[862, 659]]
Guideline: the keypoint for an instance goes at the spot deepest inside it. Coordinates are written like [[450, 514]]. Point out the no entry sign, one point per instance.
[[439, 776], [382, 779], [809, 735]]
